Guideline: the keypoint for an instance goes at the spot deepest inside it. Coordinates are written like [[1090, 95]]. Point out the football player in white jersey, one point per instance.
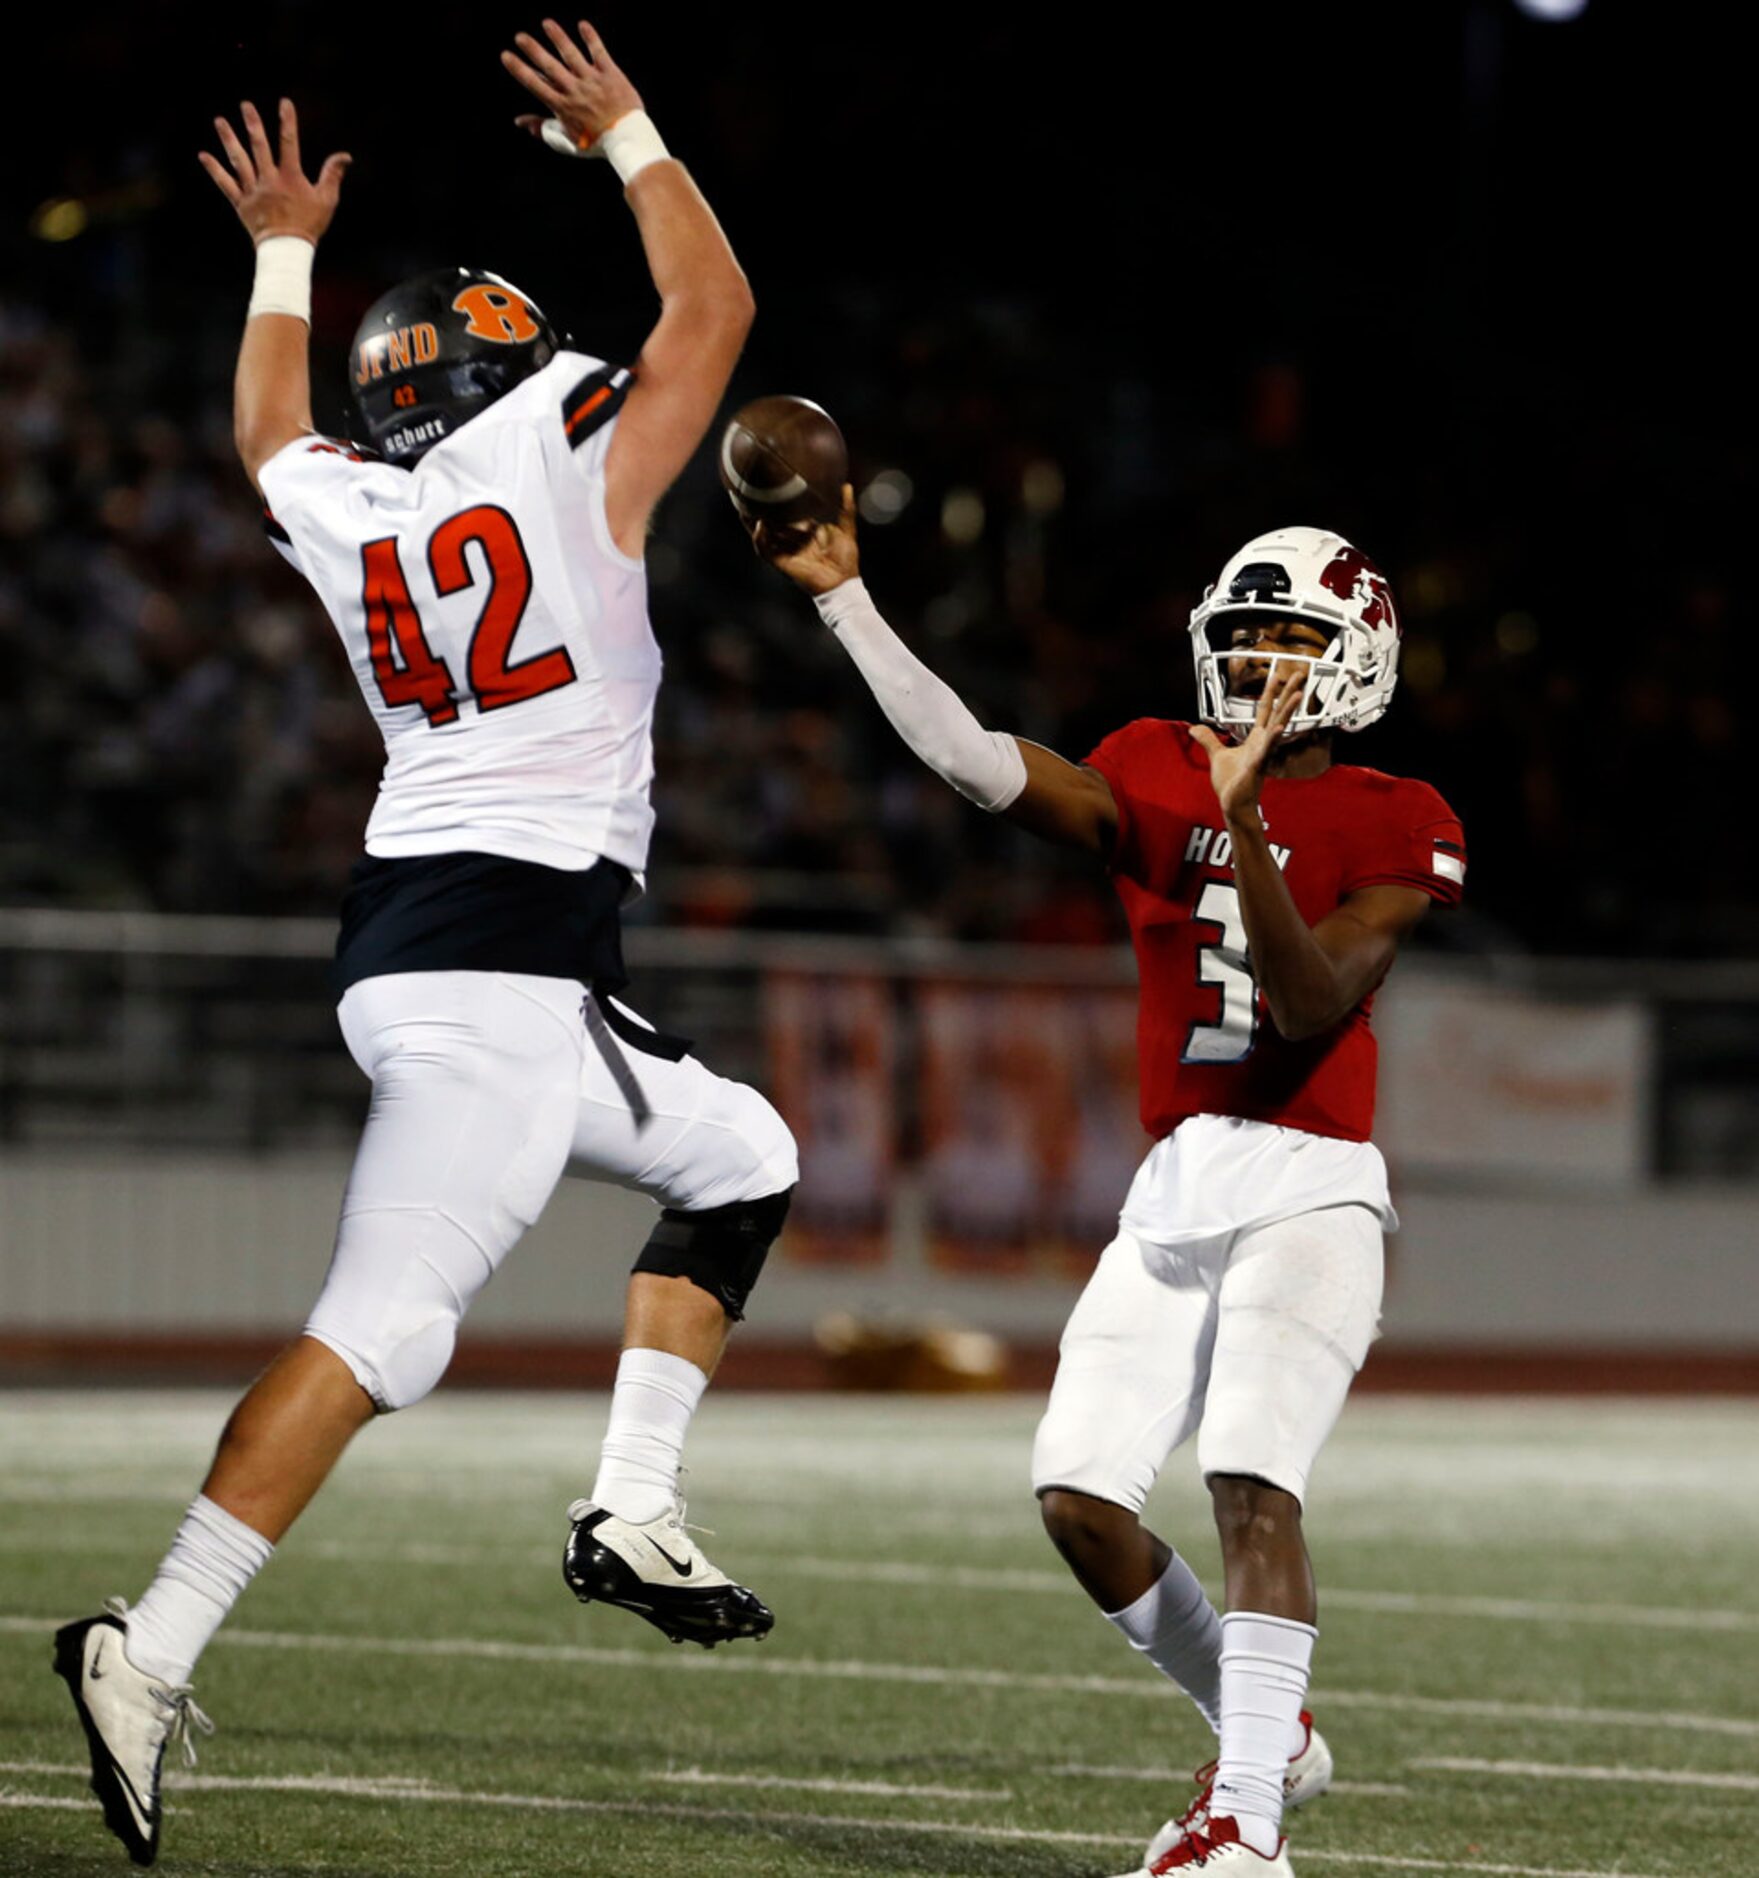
[[483, 566]]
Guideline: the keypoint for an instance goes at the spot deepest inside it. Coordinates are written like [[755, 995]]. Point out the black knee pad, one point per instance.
[[721, 1248]]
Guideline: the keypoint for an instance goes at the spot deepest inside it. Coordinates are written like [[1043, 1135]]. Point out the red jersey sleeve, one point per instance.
[[1118, 760], [1417, 842]]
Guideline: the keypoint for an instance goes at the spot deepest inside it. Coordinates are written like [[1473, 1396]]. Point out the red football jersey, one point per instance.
[[1205, 1043]]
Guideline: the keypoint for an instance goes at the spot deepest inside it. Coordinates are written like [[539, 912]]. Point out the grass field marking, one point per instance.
[[430, 1795], [813, 1783], [1171, 1776], [811, 1668], [47, 1802], [1617, 1776], [1389, 1603], [370, 1784]]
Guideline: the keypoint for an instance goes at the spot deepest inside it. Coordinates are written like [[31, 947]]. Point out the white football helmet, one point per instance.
[[1310, 574]]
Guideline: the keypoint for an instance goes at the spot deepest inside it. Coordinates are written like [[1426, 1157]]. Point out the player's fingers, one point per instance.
[[534, 82], [540, 55], [1205, 738], [567, 50], [330, 176], [589, 36], [290, 137], [530, 121], [260, 153], [236, 154], [222, 177], [848, 516], [1291, 698]]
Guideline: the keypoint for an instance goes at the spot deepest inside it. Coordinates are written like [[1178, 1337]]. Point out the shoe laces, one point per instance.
[[179, 1702], [708, 1532], [177, 1699], [1190, 1852], [1205, 1778]]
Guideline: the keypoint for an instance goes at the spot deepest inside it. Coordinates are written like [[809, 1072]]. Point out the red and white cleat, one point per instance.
[[1218, 1848], [1308, 1777]]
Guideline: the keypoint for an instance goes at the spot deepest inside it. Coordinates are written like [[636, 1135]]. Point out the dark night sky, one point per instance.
[[1448, 197], [1500, 257]]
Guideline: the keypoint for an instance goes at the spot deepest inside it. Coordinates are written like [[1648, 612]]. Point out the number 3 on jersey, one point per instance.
[[403, 662], [1224, 965]]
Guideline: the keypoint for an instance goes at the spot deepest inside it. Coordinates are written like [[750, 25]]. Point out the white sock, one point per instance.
[[1176, 1627], [212, 1559], [1265, 1663], [655, 1396]]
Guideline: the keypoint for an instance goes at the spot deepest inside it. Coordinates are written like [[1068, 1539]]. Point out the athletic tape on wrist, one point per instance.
[[283, 277], [630, 145]]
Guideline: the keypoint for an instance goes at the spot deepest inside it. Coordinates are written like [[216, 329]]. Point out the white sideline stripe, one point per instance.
[[553, 1803], [45, 1801], [813, 1669], [1024, 1580], [1621, 1776]]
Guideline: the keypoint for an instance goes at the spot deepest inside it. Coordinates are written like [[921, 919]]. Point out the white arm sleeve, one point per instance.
[[985, 765]]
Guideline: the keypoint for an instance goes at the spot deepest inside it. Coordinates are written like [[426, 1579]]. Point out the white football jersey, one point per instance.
[[497, 633]]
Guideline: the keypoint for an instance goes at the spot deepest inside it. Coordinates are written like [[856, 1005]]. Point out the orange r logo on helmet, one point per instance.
[[496, 313]]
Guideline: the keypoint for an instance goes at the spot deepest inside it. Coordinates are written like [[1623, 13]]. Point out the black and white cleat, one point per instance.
[[658, 1571], [129, 1719]]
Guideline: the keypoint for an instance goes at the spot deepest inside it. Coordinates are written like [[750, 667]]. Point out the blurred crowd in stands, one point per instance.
[[180, 730]]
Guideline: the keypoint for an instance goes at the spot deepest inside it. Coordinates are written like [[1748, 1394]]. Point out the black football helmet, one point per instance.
[[437, 349]]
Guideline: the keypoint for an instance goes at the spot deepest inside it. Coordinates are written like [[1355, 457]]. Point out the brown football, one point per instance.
[[783, 462]]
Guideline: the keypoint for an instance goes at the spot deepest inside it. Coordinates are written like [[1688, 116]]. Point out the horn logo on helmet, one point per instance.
[[1352, 576]]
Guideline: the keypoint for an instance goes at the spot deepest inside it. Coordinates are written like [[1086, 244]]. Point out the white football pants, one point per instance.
[[487, 1088], [1250, 1340]]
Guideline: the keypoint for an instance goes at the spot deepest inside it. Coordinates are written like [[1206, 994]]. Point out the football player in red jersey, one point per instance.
[[1268, 889]]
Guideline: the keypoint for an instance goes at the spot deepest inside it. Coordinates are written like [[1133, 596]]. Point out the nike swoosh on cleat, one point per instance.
[[683, 1570], [143, 1819]]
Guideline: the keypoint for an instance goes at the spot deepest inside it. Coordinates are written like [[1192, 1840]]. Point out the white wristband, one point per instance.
[[283, 278], [983, 765], [630, 145]]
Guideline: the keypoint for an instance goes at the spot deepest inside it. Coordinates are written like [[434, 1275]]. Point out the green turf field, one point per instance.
[[1540, 1650]]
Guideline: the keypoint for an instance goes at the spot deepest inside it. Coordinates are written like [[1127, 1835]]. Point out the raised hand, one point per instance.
[[817, 561], [588, 93], [1236, 770], [274, 197]]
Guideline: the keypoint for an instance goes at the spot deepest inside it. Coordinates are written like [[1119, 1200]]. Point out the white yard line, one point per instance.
[[813, 1669], [429, 1795], [1026, 1581], [1614, 1776]]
